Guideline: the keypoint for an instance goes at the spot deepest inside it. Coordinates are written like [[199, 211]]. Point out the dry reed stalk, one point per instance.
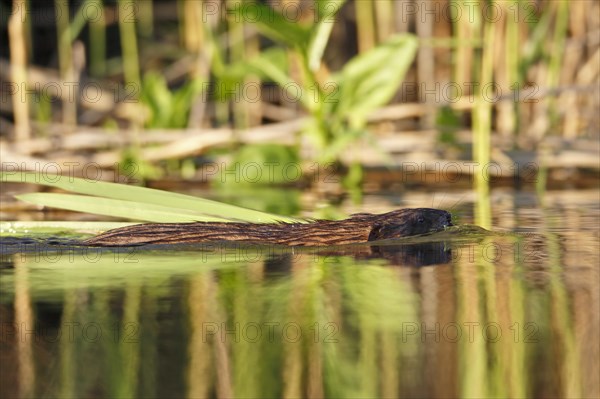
[[254, 107], [400, 20], [425, 61], [506, 70], [236, 36], [557, 59], [98, 42], [384, 19], [482, 126], [463, 54], [65, 62], [572, 61], [417, 146], [129, 54], [191, 18], [196, 42], [18, 75], [145, 16], [364, 24]]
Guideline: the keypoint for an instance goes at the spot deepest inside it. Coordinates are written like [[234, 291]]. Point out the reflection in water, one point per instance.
[[423, 254], [500, 315]]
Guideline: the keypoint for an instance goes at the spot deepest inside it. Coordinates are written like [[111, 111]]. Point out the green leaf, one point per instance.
[[182, 103], [269, 22], [136, 197], [340, 142], [168, 109], [326, 9], [270, 65], [117, 208], [371, 79], [157, 97]]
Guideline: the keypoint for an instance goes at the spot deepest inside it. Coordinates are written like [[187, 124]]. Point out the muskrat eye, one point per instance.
[[420, 219]]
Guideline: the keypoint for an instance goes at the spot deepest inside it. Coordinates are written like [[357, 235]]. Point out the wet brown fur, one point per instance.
[[358, 228]]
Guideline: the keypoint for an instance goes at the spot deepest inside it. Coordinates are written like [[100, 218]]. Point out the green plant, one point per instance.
[[340, 104], [167, 108]]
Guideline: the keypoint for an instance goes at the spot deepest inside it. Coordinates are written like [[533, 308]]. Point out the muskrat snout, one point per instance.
[[446, 220], [429, 220]]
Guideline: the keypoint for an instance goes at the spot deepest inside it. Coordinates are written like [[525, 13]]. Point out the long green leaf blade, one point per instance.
[[327, 9], [117, 208], [142, 195]]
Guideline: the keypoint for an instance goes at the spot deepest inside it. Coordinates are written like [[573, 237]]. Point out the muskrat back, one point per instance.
[[358, 228]]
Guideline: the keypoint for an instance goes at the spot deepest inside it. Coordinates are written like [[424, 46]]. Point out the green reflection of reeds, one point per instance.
[[513, 352], [567, 348], [472, 354], [490, 299], [247, 321], [24, 317]]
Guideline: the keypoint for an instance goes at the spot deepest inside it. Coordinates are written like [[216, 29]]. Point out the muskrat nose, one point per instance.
[[446, 220]]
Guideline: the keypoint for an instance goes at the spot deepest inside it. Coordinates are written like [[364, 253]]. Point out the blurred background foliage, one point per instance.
[[485, 74]]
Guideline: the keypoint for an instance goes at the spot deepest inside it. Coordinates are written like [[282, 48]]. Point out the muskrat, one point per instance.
[[358, 228]]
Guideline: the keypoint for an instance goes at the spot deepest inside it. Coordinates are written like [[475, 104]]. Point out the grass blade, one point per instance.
[[117, 208], [137, 196]]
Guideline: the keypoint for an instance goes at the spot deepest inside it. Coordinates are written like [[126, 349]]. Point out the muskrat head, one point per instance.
[[410, 222]]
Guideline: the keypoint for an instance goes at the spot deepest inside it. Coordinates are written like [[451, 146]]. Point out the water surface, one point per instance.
[[514, 313]]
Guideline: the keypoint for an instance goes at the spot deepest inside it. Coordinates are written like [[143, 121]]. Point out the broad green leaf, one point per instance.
[[278, 27], [168, 109], [270, 65], [328, 8], [340, 142], [371, 79], [183, 99], [142, 195], [157, 97]]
